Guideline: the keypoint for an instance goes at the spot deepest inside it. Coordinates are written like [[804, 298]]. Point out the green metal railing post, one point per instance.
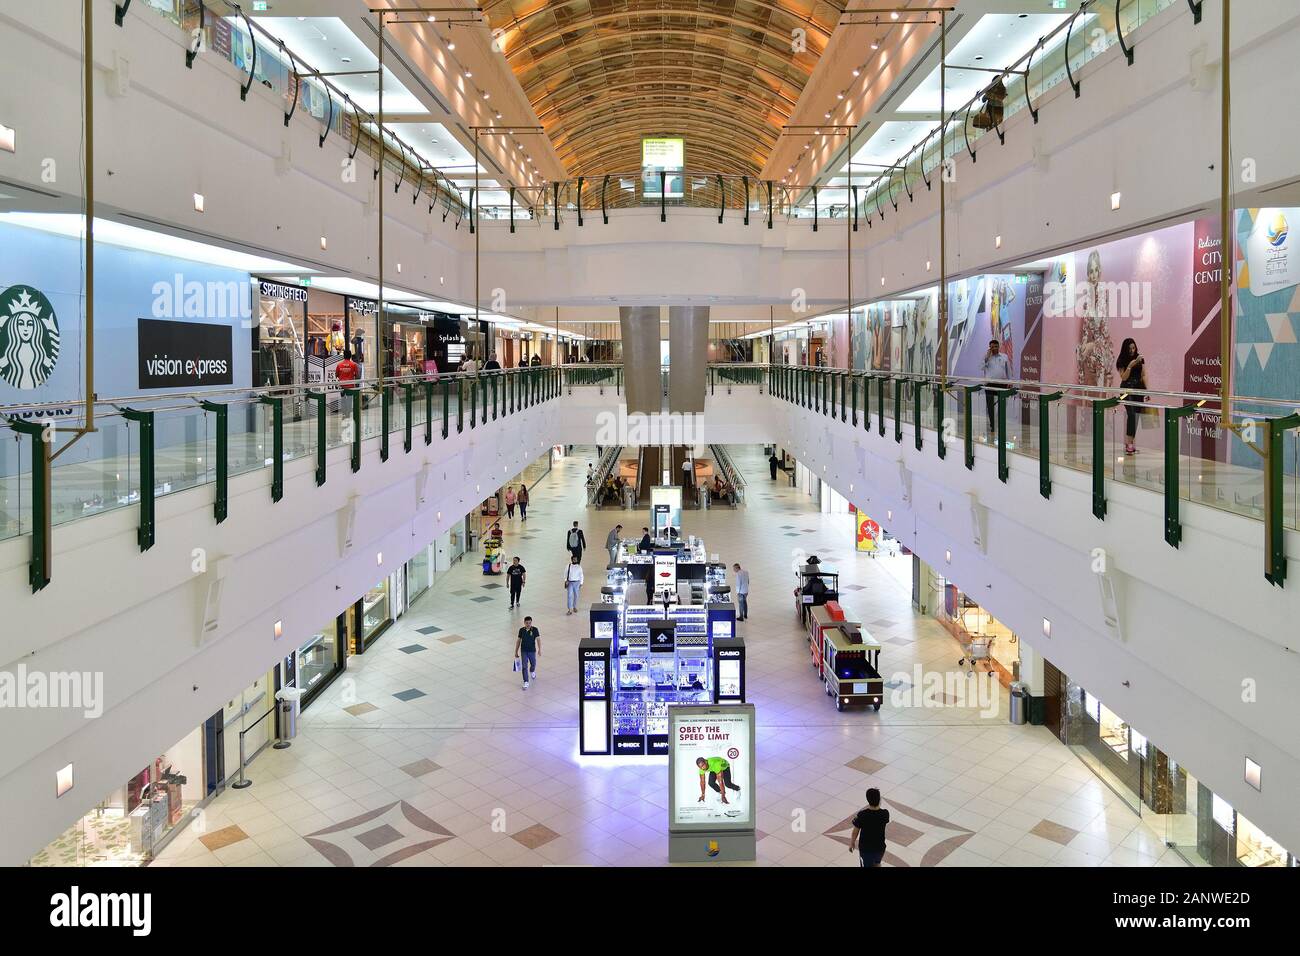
[[880, 404], [408, 396], [1274, 535], [1000, 398], [322, 400], [446, 408], [1173, 427], [898, 408], [968, 433], [222, 422], [1099, 407], [428, 413], [385, 395], [513, 378], [355, 394], [940, 422], [473, 402], [460, 405], [144, 535], [276, 404], [917, 392], [40, 564], [854, 385], [1045, 442]]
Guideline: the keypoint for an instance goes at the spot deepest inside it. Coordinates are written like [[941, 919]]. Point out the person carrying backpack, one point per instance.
[[575, 541]]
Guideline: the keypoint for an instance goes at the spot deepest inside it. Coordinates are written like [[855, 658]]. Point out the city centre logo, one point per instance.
[[29, 337], [1278, 231]]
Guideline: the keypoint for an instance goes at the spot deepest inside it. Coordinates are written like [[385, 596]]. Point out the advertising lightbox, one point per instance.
[[666, 154], [711, 767]]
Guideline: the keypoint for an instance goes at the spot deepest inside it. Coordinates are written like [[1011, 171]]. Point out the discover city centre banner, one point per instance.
[[711, 767]]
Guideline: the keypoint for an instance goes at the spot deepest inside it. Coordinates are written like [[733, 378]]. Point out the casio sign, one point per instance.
[[593, 654]]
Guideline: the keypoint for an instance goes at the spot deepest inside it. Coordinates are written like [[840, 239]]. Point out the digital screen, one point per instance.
[[712, 778], [667, 154], [729, 678]]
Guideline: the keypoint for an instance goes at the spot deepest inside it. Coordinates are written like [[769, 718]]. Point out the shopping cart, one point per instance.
[[977, 650]]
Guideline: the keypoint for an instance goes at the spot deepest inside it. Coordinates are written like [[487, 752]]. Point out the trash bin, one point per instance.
[[290, 703], [702, 493], [1019, 702]]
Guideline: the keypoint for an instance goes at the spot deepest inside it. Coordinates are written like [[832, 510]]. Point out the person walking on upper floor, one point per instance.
[[611, 542], [869, 830], [522, 498], [511, 500], [572, 584], [773, 463], [575, 541], [742, 591], [997, 372], [528, 645]]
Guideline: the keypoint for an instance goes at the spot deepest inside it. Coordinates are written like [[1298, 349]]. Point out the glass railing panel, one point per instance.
[[15, 481], [183, 450]]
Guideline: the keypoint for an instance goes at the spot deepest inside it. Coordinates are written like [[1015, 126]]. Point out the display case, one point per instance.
[[594, 694], [728, 670]]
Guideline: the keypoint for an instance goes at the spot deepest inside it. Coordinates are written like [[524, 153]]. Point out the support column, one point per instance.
[[639, 326]]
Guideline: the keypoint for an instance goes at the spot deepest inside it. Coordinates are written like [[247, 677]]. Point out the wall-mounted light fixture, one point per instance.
[[1047, 628], [63, 781], [324, 243], [379, 558], [1253, 772], [7, 136], [1114, 200], [997, 242], [198, 202], [278, 629], [947, 556]]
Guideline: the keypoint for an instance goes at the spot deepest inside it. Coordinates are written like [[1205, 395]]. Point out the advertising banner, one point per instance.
[[184, 354], [868, 533], [1202, 366], [665, 571], [662, 153], [711, 768]]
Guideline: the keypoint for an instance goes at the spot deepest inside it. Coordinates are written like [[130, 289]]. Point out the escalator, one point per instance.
[[650, 472], [678, 454]]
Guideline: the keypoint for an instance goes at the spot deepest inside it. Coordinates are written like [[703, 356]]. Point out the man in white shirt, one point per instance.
[[742, 591], [997, 372], [572, 584]]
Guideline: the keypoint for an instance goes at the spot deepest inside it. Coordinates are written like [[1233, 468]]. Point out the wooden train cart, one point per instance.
[[815, 584], [830, 614], [851, 667]]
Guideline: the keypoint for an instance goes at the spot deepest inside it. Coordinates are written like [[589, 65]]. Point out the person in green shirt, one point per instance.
[[716, 770]]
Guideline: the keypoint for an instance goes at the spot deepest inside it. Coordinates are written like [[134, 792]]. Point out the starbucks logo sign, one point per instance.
[[29, 337]]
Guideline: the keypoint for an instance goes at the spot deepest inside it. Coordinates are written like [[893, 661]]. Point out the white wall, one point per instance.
[[137, 618]]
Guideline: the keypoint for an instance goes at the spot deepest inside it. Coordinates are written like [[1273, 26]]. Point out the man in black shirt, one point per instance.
[[527, 646], [516, 575], [645, 545], [869, 825]]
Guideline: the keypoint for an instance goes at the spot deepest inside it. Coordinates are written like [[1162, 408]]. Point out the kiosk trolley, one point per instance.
[[850, 666], [815, 584], [829, 615]]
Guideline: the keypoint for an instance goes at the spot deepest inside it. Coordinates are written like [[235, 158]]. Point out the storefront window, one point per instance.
[[318, 658], [417, 575], [375, 611], [1256, 848], [1114, 732], [133, 823]]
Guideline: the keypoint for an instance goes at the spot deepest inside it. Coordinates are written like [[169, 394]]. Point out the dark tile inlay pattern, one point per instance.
[[853, 587], [451, 639], [535, 836], [412, 648], [356, 710], [462, 591], [488, 587], [411, 694], [420, 767], [865, 764], [381, 835], [481, 599], [416, 831], [431, 629]]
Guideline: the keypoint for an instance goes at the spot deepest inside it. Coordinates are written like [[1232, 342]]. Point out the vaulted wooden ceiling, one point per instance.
[[725, 74]]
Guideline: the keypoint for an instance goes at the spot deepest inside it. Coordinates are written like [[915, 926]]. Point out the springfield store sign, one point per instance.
[[184, 354]]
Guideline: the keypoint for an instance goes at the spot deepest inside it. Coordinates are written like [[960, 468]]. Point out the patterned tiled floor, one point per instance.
[[431, 753]]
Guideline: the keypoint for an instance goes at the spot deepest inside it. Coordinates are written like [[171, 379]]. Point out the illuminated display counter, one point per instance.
[[642, 659]]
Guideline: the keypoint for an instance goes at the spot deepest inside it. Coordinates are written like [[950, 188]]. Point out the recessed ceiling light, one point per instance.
[[875, 46], [451, 44], [894, 15], [470, 73], [857, 72]]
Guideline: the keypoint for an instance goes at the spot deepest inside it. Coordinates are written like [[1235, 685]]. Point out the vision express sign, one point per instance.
[[184, 354]]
